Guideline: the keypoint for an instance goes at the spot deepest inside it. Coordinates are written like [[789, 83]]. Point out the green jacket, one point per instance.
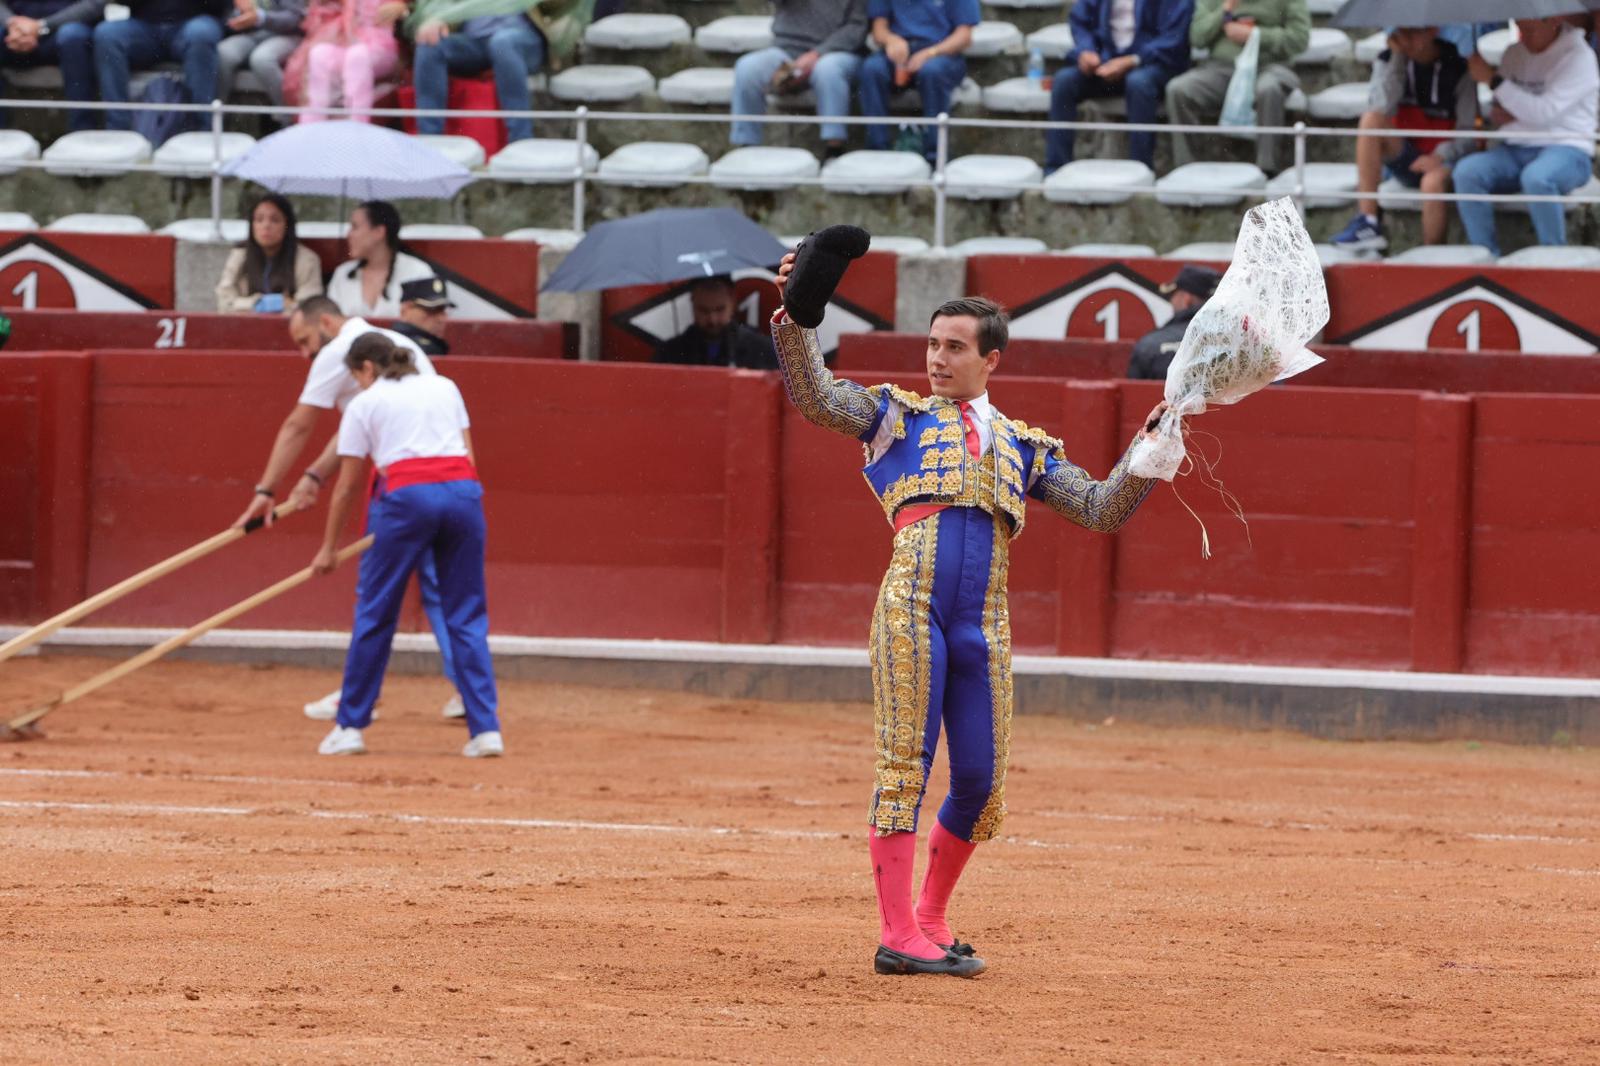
[[1285, 27]]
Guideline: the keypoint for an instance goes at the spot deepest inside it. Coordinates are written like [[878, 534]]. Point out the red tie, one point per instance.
[[974, 442]]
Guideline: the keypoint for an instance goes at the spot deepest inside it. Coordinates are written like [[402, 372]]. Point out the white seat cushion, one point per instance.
[[1112, 251], [16, 145], [1211, 184], [1017, 96], [735, 34], [464, 150], [93, 223], [440, 231], [96, 153], [1053, 42], [1339, 102], [559, 239], [1492, 46], [1387, 200], [1444, 255], [200, 230], [1001, 246], [994, 39], [637, 31], [700, 86], [1554, 256], [318, 229], [1096, 181], [653, 163], [868, 173], [990, 177], [541, 161], [1327, 45], [188, 155], [1324, 183], [599, 83], [18, 222], [1203, 252], [764, 168], [898, 245], [1369, 48], [1329, 254]]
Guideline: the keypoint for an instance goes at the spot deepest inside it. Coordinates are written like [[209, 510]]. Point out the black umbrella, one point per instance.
[[1361, 13], [658, 247]]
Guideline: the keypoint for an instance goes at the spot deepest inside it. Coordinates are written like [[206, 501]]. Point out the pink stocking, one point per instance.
[[322, 71], [892, 859], [947, 857]]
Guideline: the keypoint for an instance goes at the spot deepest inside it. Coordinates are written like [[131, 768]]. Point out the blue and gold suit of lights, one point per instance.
[[941, 631]]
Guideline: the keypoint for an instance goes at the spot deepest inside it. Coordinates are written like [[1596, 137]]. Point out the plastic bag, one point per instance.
[[1239, 103], [1252, 332]]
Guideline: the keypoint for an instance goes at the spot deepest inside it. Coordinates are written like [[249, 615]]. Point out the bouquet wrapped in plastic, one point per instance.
[[1252, 332]]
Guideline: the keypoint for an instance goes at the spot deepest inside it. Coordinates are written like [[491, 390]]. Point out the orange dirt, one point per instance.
[[182, 880]]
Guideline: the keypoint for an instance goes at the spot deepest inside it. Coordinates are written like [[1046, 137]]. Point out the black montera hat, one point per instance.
[[430, 293]]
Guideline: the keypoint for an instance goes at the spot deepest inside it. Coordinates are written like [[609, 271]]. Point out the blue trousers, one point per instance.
[[1511, 168], [831, 79], [941, 655], [1143, 87], [443, 522], [120, 47], [937, 82], [71, 49], [513, 52]]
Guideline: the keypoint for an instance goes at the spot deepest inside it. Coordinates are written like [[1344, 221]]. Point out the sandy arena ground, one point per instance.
[[657, 877]]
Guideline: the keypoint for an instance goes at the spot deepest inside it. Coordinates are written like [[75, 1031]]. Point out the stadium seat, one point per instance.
[[631, 32], [541, 161], [1554, 257], [1324, 184], [1097, 181], [1111, 251], [200, 230], [15, 147], [1329, 254], [1369, 48], [188, 155], [1492, 46], [317, 229], [1590, 188], [17, 222], [764, 168], [1388, 202], [1327, 45], [990, 177], [653, 163], [96, 153], [899, 245], [1000, 246], [1210, 184], [1443, 255], [735, 34], [440, 231], [96, 223], [464, 150], [870, 173], [1017, 96], [909, 102], [1342, 103], [698, 86], [561, 239], [598, 83], [1053, 42], [994, 39], [1203, 252]]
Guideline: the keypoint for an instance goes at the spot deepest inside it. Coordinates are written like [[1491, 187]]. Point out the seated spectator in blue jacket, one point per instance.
[[184, 31], [58, 33], [816, 44], [1128, 48], [922, 42]]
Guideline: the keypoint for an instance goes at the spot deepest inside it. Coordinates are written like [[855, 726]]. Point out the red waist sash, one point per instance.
[[429, 471], [915, 513]]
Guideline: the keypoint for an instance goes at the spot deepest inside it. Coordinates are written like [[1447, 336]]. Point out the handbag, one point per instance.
[[1239, 103]]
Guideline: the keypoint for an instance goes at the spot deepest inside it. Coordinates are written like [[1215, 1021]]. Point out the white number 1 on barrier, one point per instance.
[[1471, 328], [28, 289], [1110, 316], [172, 330]]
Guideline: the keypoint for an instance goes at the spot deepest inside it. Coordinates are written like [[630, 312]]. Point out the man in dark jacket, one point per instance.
[[1187, 292], [185, 31], [1129, 48], [717, 338], [423, 304], [41, 33]]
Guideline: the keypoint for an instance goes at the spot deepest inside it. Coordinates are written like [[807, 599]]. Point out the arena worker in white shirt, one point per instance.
[[414, 427], [368, 283]]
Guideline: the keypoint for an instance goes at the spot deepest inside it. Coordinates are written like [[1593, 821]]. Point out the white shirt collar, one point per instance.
[[980, 407]]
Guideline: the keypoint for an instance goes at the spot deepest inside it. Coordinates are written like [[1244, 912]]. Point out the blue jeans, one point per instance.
[[1143, 87], [514, 52], [830, 81], [69, 48], [120, 47], [937, 81], [1511, 168]]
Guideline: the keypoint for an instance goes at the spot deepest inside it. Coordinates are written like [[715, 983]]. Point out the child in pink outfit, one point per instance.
[[349, 50]]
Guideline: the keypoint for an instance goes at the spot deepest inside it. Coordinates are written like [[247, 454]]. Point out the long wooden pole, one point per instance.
[[22, 724], [138, 581]]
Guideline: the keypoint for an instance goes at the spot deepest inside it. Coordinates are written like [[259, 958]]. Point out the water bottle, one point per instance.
[[1036, 68]]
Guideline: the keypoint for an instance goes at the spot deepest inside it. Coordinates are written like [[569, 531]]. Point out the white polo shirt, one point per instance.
[[419, 416], [329, 383]]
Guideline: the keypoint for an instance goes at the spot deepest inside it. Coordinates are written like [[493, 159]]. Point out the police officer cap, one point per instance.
[[1196, 280], [431, 293]]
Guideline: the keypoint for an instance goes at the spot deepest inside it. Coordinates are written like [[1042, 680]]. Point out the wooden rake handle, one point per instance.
[[138, 581], [20, 725]]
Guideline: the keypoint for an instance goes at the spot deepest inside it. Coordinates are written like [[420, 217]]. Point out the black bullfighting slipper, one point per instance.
[[961, 948], [887, 960], [819, 265]]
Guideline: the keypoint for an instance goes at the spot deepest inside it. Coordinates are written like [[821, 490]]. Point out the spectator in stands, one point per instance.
[[423, 307], [1222, 27], [349, 45], [1128, 48], [922, 43], [816, 44], [1188, 292], [717, 338], [42, 33], [1546, 88], [509, 45], [270, 271], [184, 31], [263, 38], [1419, 82], [368, 285]]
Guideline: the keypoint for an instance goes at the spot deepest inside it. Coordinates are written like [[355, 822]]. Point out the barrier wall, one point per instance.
[[1386, 528]]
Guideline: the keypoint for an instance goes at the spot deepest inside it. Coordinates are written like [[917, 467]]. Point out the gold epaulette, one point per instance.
[[1036, 437]]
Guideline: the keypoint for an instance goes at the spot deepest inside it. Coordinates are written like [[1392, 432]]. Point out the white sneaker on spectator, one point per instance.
[[484, 745], [327, 708], [342, 741], [454, 708]]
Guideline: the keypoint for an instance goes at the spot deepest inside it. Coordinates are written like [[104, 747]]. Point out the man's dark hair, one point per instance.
[[993, 331], [314, 307], [717, 281]]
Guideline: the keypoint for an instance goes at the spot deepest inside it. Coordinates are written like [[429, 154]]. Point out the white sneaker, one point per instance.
[[326, 709], [454, 708], [484, 745], [344, 741]]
